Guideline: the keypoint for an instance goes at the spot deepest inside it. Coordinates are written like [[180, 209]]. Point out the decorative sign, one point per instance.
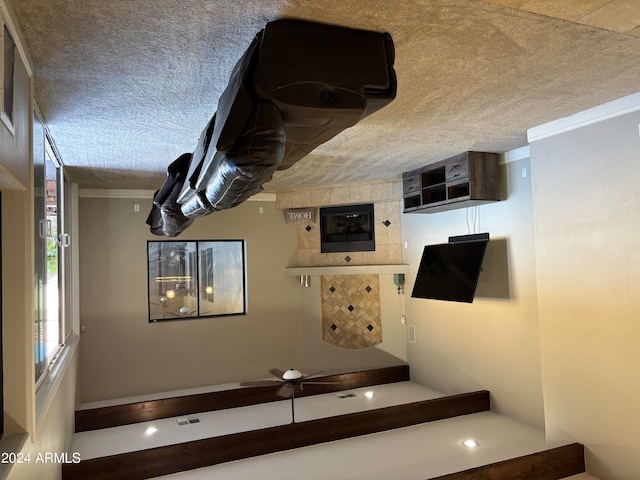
[[307, 214]]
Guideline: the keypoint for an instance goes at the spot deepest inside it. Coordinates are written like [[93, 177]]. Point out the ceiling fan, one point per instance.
[[288, 382]]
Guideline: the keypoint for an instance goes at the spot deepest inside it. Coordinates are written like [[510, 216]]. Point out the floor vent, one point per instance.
[[346, 395], [182, 421]]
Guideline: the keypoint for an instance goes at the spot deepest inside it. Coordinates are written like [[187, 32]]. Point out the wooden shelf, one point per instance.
[[347, 270], [471, 178]]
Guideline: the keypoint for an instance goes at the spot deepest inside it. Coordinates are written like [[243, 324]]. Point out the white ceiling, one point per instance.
[[126, 86]]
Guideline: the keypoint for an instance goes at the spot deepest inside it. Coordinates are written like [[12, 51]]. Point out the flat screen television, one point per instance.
[[450, 271]]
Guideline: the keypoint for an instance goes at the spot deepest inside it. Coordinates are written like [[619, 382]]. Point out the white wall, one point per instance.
[[587, 229], [492, 343]]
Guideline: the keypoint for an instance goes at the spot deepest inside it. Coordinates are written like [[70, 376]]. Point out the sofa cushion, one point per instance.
[[234, 176]]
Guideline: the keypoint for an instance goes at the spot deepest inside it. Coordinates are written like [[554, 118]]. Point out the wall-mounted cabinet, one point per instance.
[[471, 178]]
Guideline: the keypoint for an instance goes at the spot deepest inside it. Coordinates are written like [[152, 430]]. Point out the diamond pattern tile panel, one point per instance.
[[351, 310]]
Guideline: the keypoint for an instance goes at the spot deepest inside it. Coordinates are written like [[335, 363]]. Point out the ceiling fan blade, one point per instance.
[[276, 372], [260, 383], [307, 382], [286, 390]]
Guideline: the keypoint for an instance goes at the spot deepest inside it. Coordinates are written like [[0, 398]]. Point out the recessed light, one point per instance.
[[150, 431], [369, 394], [470, 443]]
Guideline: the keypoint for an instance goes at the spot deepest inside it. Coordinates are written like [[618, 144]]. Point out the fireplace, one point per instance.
[[347, 229]]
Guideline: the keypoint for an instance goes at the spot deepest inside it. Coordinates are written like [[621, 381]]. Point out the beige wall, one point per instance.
[[55, 433], [17, 247], [122, 354], [492, 343], [587, 226]]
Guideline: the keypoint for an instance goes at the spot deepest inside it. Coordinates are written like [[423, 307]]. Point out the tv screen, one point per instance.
[[450, 271]]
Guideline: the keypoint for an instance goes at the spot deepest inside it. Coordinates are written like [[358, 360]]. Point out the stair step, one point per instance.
[[553, 464], [581, 476], [137, 412], [212, 451]]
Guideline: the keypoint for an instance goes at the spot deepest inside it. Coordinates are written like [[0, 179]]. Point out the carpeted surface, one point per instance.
[[125, 86]]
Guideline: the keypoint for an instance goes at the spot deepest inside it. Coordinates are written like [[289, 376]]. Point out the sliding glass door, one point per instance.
[[40, 246], [49, 242]]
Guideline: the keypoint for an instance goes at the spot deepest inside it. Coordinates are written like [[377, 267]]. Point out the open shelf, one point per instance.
[[470, 178]]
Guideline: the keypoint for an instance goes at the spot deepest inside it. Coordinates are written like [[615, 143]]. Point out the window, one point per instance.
[[51, 327], [9, 57], [196, 279]]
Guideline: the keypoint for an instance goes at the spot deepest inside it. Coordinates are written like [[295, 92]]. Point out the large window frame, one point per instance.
[[52, 320], [199, 278], [7, 62]]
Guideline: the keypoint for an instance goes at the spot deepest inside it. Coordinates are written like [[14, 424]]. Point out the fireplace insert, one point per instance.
[[347, 228]]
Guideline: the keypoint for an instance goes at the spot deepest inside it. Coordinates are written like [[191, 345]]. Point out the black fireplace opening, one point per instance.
[[348, 228]]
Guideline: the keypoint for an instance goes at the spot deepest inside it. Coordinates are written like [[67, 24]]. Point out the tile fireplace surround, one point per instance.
[[386, 197]]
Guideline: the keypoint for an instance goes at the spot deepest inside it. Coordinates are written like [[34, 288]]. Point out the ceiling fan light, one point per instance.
[[291, 374]]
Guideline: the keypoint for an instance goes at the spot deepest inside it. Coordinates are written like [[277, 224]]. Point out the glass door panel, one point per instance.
[[40, 245], [48, 334]]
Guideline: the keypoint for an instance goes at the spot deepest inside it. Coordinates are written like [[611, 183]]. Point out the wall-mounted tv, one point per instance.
[[450, 271]]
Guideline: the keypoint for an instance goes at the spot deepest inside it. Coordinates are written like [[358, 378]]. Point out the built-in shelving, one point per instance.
[[471, 178]]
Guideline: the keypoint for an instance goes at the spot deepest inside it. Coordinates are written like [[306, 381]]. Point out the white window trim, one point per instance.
[[47, 387], [51, 382]]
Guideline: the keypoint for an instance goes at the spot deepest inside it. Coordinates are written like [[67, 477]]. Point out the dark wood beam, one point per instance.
[[117, 415], [212, 451], [553, 464]]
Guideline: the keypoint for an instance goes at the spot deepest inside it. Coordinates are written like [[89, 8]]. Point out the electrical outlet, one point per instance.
[[524, 172], [136, 207]]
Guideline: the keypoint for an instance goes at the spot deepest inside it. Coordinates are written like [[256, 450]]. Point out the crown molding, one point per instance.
[[515, 155], [114, 193], [616, 108], [148, 194]]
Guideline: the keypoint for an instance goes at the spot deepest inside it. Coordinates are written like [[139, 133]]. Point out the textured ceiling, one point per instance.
[[126, 86]]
